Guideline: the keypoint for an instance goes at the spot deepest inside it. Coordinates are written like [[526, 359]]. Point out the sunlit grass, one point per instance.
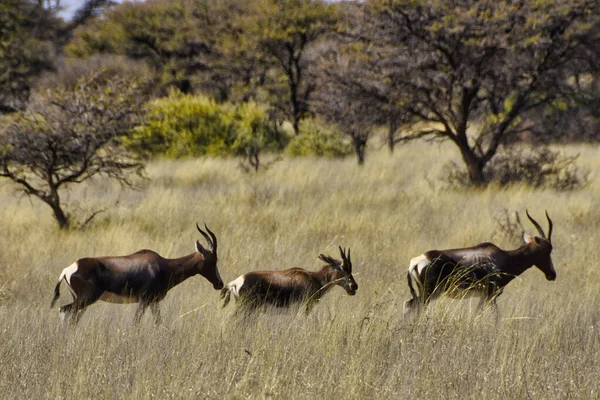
[[546, 344]]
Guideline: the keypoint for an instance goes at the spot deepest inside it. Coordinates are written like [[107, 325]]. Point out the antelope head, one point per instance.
[[208, 268], [541, 247], [342, 271]]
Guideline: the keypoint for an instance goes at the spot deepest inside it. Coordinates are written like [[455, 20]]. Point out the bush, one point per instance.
[[255, 130], [194, 125], [183, 125], [538, 167], [318, 139]]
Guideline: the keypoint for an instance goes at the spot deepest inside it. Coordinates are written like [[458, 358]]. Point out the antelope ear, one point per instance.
[[331, 261], [528, 238], [325, 258]]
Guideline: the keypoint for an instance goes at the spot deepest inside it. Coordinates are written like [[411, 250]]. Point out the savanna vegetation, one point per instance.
[[292, 127], [544, 345]]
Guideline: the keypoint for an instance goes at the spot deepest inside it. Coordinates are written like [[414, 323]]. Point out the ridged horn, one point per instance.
[[549, 226], [537, 226], [208, 239]]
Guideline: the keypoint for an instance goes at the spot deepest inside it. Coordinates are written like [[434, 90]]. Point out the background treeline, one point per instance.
[[120, 82]]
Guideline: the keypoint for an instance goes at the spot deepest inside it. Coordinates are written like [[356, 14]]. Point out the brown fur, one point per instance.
[[294, 285], [483, 270], [143, 277]]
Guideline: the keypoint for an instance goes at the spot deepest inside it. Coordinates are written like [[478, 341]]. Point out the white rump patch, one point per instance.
[[418, 263], [234, 286], [67, 273]]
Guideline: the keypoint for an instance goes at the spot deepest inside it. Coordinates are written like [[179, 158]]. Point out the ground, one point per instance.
[[545, 345]]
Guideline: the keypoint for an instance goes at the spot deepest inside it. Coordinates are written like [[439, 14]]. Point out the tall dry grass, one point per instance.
[[546, 345]]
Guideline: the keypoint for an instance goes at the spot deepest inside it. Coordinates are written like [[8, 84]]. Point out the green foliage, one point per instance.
[[26, 33], [318, 139], [254, 132], [184, 125], [193, 125], [283, 35], [180, 40]]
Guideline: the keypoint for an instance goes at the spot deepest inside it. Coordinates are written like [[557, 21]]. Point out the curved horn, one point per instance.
[[537, 226], [214, 239], [346, 263], [343, 254], [210, 243], [349, 262], [549, 226]]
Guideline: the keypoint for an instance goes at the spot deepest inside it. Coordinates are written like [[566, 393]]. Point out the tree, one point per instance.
[[284, 33], [184, 42], [27, 31], [70, 135], [32, 37], [256, 131], [343, 103], [469, 71]]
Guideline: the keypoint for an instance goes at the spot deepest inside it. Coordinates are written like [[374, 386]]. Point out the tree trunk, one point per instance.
[[295, 108], [474, 166], [254, 160], [59, 215], [53, 200], [359, 145], [296, 125], [391, 135]]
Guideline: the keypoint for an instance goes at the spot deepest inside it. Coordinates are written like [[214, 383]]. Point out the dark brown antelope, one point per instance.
[[291, 286], [143, 277], [483, 270]]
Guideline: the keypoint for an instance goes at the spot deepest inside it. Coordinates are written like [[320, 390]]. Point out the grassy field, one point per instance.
[[545, 346]]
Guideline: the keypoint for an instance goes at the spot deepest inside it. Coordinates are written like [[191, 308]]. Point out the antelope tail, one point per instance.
[[410, 286], [226, 294], [57, 289]]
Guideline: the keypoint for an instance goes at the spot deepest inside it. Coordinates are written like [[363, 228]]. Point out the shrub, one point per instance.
[[255, 130], [184, 125], [193, 125], [537, 167], [318, 139]]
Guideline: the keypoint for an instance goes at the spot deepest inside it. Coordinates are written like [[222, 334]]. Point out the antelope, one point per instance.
[[483, 270], [143, 277], [292, 286]]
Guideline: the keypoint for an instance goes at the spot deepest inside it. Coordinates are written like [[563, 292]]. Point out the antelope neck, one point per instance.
[[182, 268]]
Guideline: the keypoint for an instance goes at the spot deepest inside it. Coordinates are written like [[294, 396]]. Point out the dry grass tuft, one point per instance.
[[545, 346]]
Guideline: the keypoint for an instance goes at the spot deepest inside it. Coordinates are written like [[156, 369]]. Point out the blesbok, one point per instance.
[[483, 270], [143, 277], [292, 286]]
